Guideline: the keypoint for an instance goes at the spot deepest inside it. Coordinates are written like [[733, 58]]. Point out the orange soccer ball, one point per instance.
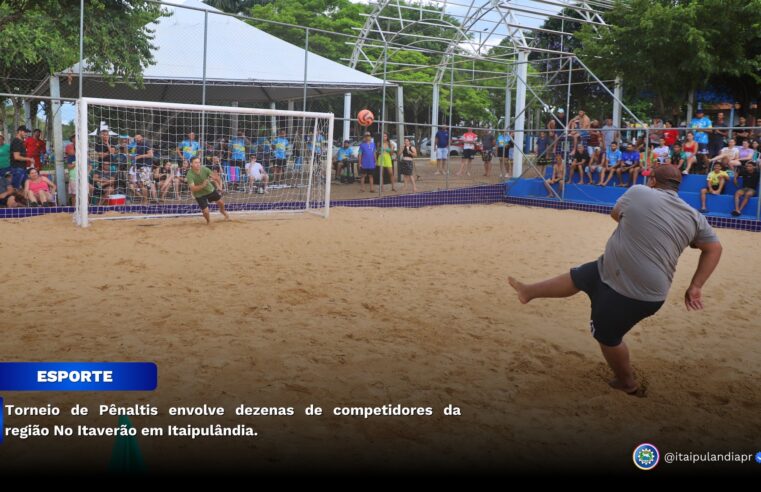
[[365, 117]]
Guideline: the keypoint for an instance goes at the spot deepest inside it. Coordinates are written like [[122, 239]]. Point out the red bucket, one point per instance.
[[116, 200]]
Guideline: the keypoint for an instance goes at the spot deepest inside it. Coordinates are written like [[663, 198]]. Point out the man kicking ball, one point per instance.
[[201, 183], [630, 281]]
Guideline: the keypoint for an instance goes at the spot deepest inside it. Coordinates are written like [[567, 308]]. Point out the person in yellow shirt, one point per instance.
[[715, 182]]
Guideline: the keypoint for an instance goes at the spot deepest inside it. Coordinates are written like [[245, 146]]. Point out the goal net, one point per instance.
[[132, 159]]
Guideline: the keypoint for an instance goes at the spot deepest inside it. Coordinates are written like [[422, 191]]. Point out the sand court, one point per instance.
[[376, 307]]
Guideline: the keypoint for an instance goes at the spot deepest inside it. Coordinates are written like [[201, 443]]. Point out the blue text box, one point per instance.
[[78, 376]]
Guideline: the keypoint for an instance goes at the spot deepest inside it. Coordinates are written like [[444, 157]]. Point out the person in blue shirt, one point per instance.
[[441, 149], [366, 161], [239, 145], [280, 152], [189, 147], [345, 159], [610, 163], [503, 152], [629, 164], [701, 121]]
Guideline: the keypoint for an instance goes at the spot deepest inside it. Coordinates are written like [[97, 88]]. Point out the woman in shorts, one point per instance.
[[690, 149], [407, 166], [386, 162]]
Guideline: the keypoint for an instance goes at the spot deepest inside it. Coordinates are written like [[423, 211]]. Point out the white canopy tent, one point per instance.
[[243, 64]]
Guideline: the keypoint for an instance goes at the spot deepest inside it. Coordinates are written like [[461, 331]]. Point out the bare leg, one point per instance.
[[560, 286], [618, 359], [370, 176], [205, 213], [703, 198], [221, 205]]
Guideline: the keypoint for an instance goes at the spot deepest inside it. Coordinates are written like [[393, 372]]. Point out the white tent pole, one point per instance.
[[273, 119], [347, 116], [55, 92]]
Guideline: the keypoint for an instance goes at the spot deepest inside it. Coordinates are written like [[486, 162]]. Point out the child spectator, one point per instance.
[[715, 182], [661, 151], [678, 156], [557, 175]]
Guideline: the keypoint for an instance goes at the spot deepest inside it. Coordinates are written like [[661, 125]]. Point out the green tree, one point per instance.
[[669, 47]]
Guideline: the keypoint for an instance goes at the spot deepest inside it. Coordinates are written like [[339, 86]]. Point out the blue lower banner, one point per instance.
[[78, 376], [2, 412]]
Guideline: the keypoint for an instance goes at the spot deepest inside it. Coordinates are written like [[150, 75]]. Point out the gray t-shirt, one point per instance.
[[655, 227], [608, 134]]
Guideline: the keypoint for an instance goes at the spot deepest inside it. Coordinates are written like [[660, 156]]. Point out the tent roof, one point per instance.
[[244, 64]]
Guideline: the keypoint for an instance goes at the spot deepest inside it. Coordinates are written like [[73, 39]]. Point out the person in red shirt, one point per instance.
[[670, 134], [35, 148]]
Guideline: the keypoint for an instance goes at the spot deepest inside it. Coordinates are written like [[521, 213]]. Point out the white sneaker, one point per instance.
[[684, 172]]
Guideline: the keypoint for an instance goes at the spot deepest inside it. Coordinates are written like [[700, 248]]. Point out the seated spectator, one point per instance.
[[715, 182], [678, 157], [731, 152], [745, 153], [165, 178], [611, 162], [756, 152], [661, 151], [579, 161], [630, 164], [7, 191], [256, 176], [345, 159], [557, 174], [595, 164], [690, 148], [670, 134], [750, 176], [39, 190], [141, 183]]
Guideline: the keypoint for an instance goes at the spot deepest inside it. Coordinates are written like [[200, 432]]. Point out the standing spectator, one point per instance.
[[39, 190], [408, 155], [554, 133], [656, 130], [699, 122], [718, 136], [280, 145], [441, 150], [543, 149], [670, 134], [580, 161], [610, 134], [188, 149], [629, 164], [70, 151], [742, 133], [72, 180], [386, 162], [468, 151], [36, 148], [715, 182], [5, 154], [611, 162], [503, 152], [103, 149], [7, 191], [239, 145], [691, 151], [595, 137], [19, 160], [487, 150], [750, 175], [367, 161]]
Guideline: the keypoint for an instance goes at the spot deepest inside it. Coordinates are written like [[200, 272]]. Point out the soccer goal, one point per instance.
[[132, 159]]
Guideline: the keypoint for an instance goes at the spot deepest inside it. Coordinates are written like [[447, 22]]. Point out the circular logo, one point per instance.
[[646, 456], [758, 457]]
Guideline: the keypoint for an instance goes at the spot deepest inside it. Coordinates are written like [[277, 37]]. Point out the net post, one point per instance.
[[329, 166], [83, 189], [311, 164]]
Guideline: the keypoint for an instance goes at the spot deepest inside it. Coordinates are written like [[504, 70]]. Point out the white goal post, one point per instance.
[[132, 158]]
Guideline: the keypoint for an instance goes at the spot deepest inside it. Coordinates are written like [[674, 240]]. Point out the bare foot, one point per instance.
[[520, 289], [634, 390]]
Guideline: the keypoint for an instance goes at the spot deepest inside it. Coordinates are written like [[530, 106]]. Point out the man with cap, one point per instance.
[[631, 280], [698, 122], [19, 160]]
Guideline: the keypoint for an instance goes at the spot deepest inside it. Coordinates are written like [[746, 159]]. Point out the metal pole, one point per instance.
[[347, 116], [55, 92], [618, 91], [202, 139], [565, 131], [451, 110], [306, 65], [520, 113], [81, 42], [383, 127]]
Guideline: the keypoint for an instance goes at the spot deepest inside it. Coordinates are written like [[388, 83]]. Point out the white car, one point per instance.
[[425, 148]]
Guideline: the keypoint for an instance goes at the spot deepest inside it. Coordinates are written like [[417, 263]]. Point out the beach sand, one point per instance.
[[371, 307]]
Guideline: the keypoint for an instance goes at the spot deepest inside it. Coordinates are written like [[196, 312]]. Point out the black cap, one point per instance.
[[22, 128]]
